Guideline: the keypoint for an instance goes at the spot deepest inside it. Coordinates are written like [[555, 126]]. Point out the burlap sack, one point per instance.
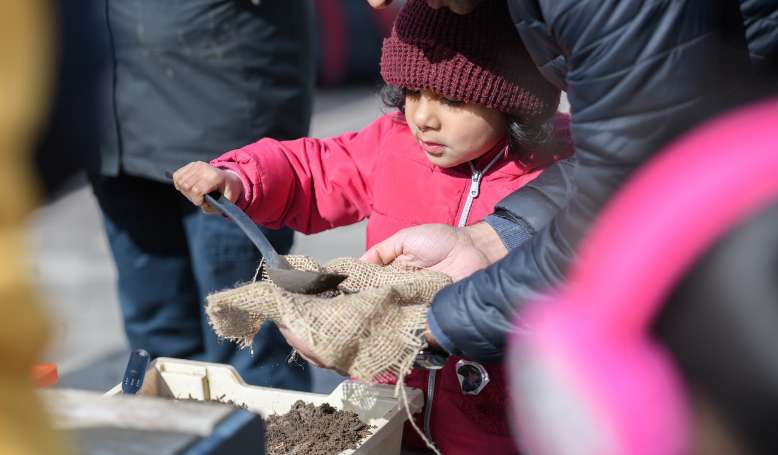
[[368, 328]]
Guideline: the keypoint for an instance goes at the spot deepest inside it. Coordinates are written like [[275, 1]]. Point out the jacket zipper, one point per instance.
[[474, 191], [475, 188]]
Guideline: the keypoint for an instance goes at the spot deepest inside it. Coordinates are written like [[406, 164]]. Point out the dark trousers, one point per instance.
[[169, 256]]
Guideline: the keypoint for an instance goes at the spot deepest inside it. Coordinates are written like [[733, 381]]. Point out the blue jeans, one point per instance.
[[169, 256]]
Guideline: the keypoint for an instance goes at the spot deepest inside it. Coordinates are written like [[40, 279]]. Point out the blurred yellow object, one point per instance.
[[25, 64]]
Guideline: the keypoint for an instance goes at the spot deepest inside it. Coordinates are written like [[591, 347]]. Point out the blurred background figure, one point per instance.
[[69, 252], [662, 339], [350, 36], [721, 326], [70, 139], [189, 81], [50, 54]]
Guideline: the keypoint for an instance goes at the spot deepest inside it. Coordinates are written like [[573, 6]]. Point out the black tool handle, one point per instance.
[[252, 231], [135, 372], [231, 211]]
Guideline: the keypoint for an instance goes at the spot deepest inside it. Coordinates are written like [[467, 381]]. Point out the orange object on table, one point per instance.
[[44, 374]]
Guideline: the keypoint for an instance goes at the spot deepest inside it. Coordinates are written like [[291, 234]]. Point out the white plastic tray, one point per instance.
[[375, 404]]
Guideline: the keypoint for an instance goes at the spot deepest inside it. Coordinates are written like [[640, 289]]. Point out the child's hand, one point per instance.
[[197, 179]]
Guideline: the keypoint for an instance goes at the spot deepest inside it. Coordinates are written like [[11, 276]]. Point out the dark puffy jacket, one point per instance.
[[761, 21], [192, 79], [637, 75]]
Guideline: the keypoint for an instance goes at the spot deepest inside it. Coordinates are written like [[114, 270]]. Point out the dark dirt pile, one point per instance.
[[220, 399], [313, 430]]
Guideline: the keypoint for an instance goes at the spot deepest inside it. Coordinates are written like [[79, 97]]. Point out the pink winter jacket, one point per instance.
[[381, 173]]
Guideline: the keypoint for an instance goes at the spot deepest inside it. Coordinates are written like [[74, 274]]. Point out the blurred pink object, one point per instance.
[[587, 378]]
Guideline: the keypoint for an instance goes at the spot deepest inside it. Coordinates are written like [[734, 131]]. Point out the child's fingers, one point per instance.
[[181, 181], [206, 208], [191, 189], [176, 177], [197, 179], [182, 178]]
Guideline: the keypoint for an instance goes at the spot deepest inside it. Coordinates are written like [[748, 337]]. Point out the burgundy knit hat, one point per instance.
[[477, 58]]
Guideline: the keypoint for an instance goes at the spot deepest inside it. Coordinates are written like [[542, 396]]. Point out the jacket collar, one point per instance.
[[480, 163], [501, 148]]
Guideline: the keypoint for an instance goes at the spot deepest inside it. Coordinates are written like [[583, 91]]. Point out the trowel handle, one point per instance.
[[217, 200], [135, 372], [252, 231]]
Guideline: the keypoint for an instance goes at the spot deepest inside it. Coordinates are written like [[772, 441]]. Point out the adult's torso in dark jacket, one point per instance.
[[535, 204], [637, 74], [192, 79], [761, 24]]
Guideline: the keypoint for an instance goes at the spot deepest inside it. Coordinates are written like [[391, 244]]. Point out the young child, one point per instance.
[[475, 121]]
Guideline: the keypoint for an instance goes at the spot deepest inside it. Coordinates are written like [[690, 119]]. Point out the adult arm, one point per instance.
[[639, 73], [761, 23], [523, 213]]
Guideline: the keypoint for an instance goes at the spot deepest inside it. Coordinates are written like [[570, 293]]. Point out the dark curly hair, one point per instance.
[[522, 136]]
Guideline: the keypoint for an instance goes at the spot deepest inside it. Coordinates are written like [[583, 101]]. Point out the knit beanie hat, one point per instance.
[[477, 58]]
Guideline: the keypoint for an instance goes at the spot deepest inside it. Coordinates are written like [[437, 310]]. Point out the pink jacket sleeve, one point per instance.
[[308, 184]]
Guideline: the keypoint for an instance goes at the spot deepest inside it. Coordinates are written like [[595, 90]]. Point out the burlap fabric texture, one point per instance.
[[367, 329]]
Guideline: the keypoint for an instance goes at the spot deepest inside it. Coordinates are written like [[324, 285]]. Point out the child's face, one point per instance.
[[452, 132]]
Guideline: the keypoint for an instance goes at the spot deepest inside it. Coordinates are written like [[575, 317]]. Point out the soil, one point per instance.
[[313, 430], [220, 399]]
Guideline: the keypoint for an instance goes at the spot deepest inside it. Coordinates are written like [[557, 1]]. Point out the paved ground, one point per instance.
[[71, 262]]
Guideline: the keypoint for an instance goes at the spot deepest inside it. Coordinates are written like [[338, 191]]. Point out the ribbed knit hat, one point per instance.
[[476, 58]]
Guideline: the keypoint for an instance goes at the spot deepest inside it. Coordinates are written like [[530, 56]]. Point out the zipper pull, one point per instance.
[[475, 186]]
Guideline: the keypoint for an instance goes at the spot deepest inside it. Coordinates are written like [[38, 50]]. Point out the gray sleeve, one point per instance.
[[531, 207]]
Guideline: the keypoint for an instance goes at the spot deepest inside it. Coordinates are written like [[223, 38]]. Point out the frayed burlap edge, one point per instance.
[[236, 315], [250, 320]]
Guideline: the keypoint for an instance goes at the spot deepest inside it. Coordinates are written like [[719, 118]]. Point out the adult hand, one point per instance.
[[457, 6], [305, 351], [457, 252], [197, 179], [379, 4], [300, 346]]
